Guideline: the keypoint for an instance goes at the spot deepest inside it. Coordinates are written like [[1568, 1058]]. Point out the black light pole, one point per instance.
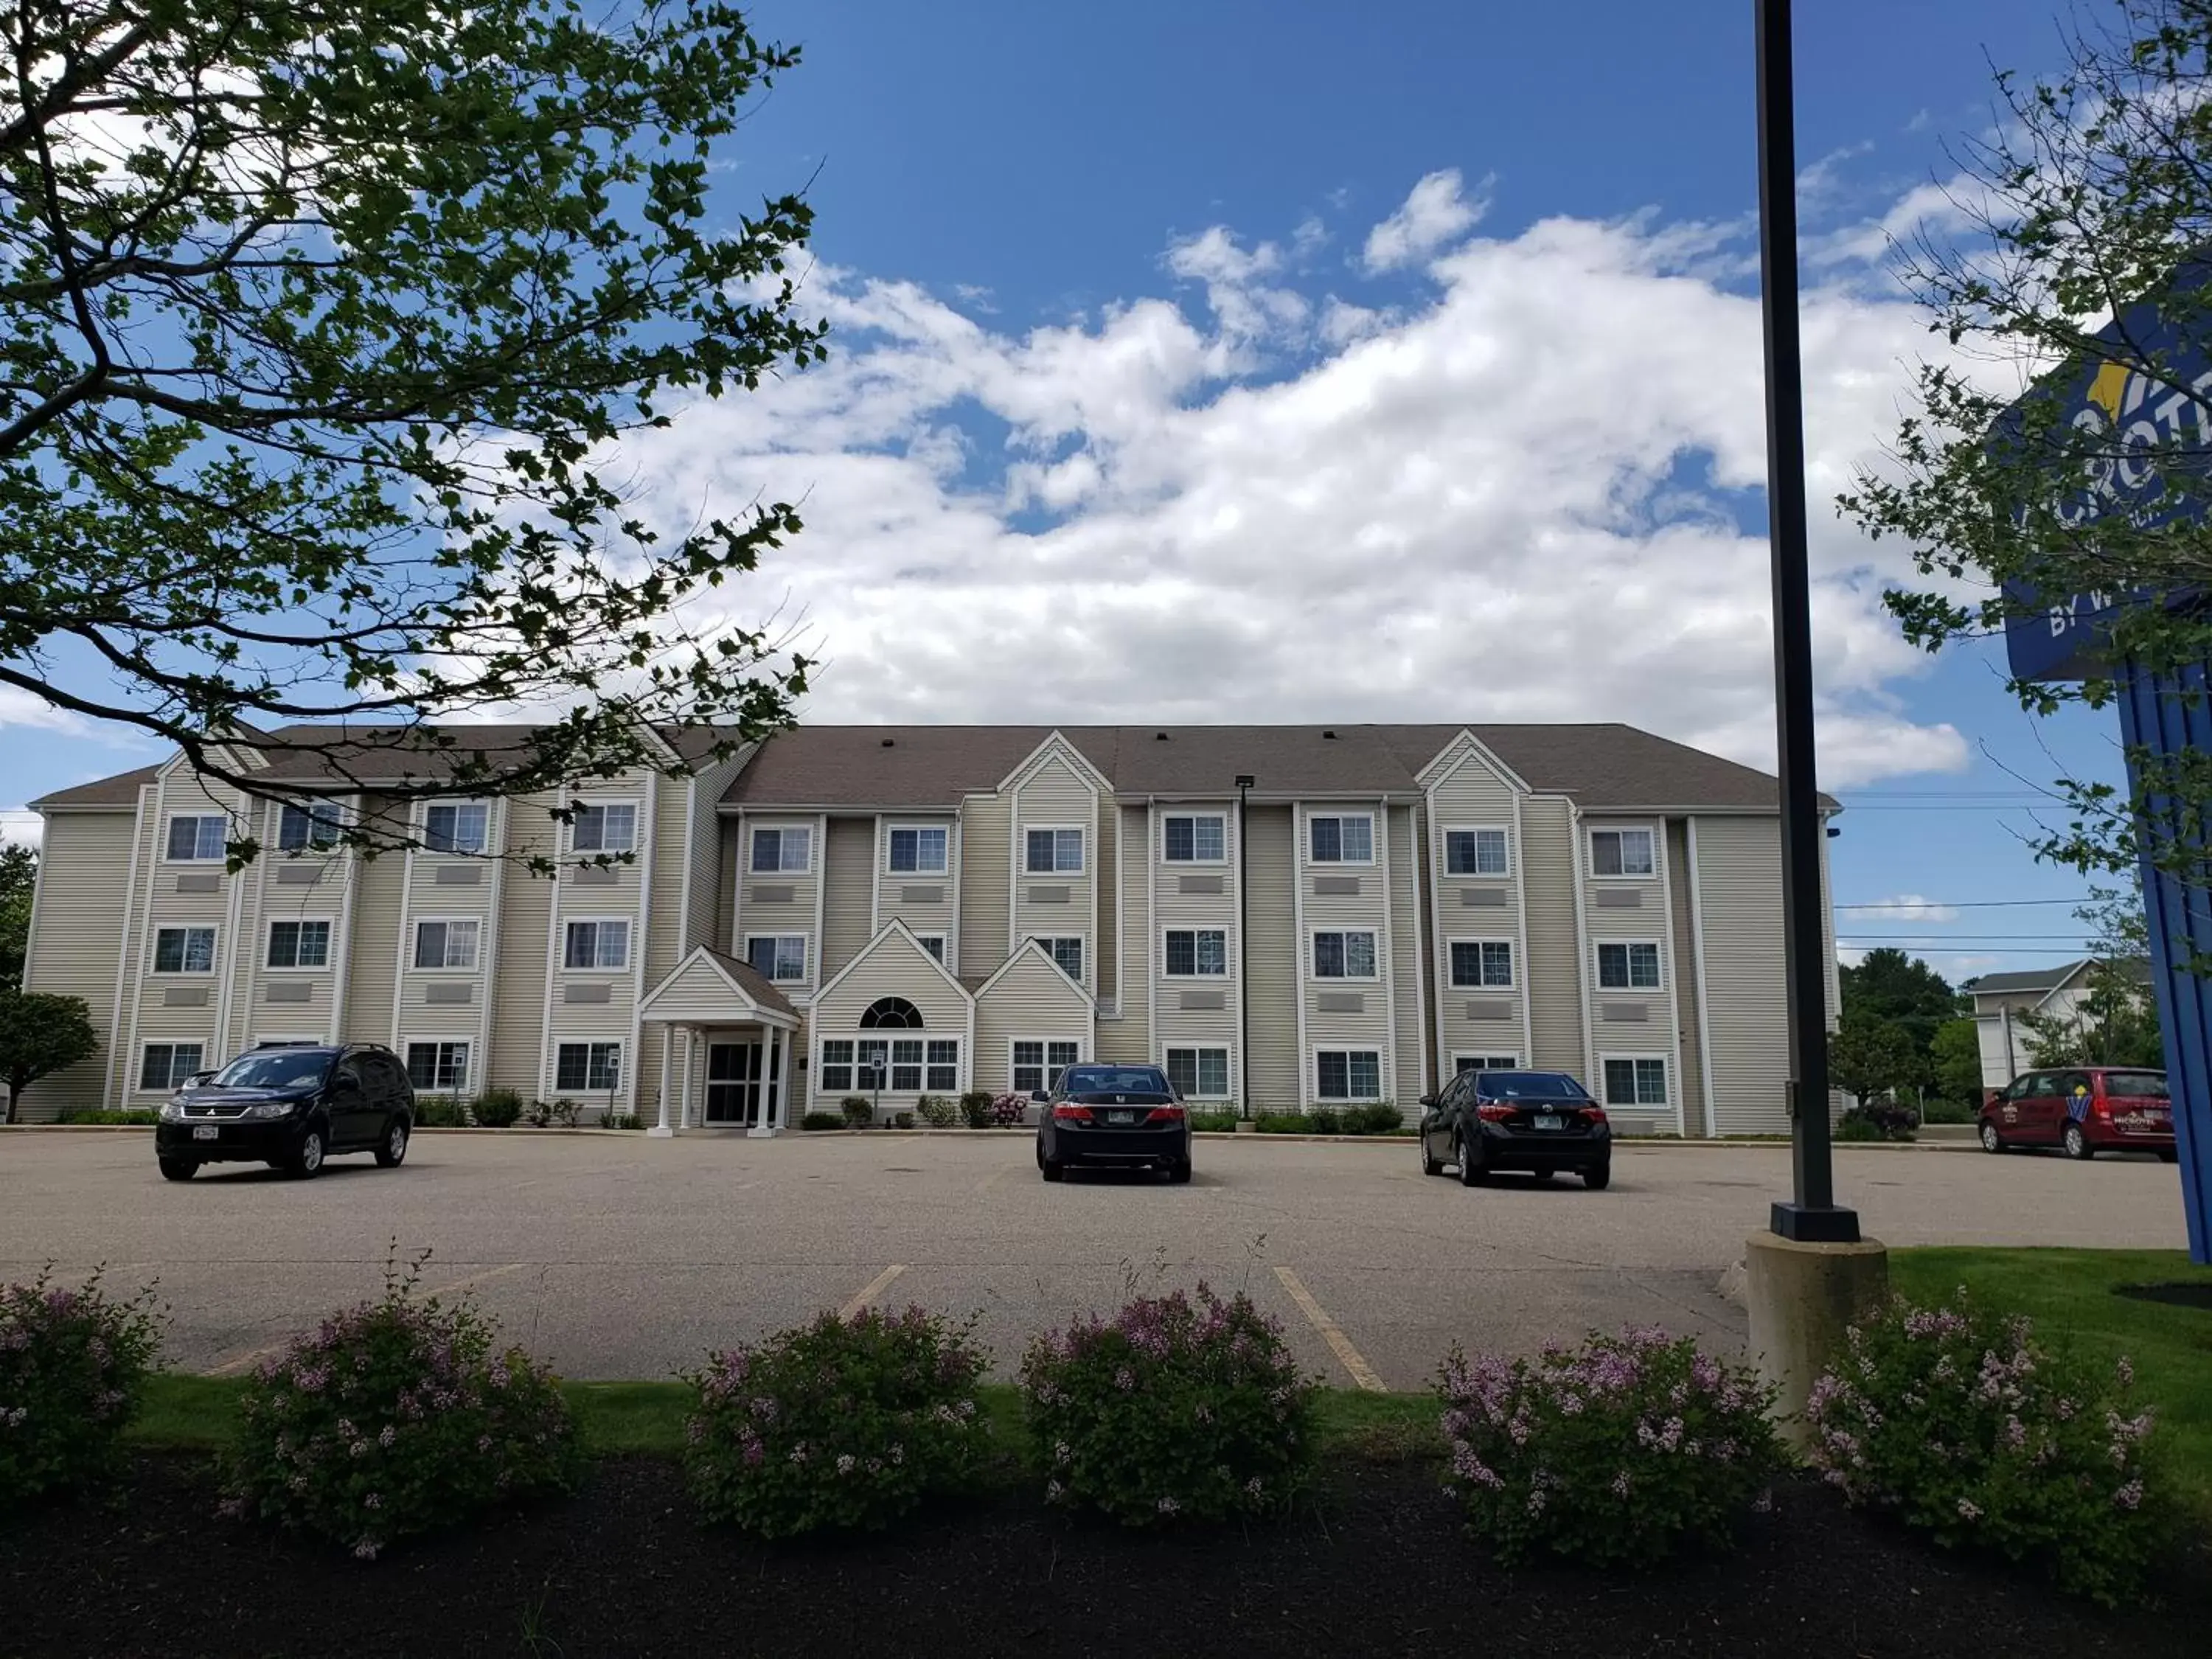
[[1811, 1216], [1243, 936]]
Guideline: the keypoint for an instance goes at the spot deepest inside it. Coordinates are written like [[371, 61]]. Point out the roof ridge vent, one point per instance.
[[1328, 734], [888, 742], [1159, 737]]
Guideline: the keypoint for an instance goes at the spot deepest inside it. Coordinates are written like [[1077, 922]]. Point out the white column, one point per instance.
[[660, 1130], [684, 1101], [771, 1103]]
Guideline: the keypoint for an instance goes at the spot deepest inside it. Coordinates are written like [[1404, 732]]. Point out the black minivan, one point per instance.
[[290, 1106]]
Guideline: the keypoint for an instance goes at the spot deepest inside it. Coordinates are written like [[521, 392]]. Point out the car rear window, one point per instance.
[[1530, 1085], [2136, 1086], [280, 1070], [1115, 1079]]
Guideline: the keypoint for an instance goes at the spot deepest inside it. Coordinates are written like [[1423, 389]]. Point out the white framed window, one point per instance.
[[1199, 1073], [458, 826], [784, 851], [916, 849], [778, 956], [1038, 1061], [197, 837], [1628, 964], [941, 1065], [440, 1067], [183, 950], [299, 945], [313, 827], [1481, 963], [1067, 949], [587, 1067], [165, 1065], [932, 943], [1626, 855], [904, 1066], [447, 943], [1194, 838], [1196, 952], [1344, 953], [1477, 850], [1341, 838], [1353, 1074], [1484, 1063], [1054, 851], [608, 826], [595, 943], [1634, 1081], [834, 1075]]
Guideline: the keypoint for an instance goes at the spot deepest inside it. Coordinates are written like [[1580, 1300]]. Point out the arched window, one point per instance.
[[892, 1014]]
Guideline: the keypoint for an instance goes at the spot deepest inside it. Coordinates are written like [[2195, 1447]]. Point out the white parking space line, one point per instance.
[[1362, 1374], [245, 1362], [874, 1288]]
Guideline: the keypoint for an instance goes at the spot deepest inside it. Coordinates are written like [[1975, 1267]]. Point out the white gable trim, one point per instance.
[[1054, 744], [2080, 969], [867, 951], [1020, 954], [1457, 752], [747, 1006]]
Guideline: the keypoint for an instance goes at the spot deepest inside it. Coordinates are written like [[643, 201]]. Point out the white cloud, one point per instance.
[[17, 825], [19, 707], [1901, 907], [1433, 214]]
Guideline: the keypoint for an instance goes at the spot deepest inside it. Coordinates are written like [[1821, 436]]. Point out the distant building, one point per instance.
[[2000, 999]]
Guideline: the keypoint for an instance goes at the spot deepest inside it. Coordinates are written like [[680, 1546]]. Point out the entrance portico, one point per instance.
[[730, 1051]]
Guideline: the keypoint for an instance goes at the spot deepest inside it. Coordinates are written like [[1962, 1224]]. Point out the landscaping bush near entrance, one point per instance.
[[938, 1112], [1177, 1409], [822, 1121], [128, 1116], [394, 1418], [859, 1114], [439, 1112], [975, 1108], [73, 1367], [844, 1422], [1009, 1111], [1224, 1122], [498, 1109], [1617, 1451], [1958, 1421]]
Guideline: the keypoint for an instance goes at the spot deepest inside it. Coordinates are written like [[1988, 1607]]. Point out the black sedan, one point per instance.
[[1125, 1117], [290, 1106], [1538, 1121]]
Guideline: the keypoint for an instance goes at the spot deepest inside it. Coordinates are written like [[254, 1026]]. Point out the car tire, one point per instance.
[[179, 1169], [1991, 1140], [1598, 1176], [1051, 1170], [1180, 1173], [391, 1150], [306, 1162], [1429, 1165], [2077, 1143], [1471, 1172]]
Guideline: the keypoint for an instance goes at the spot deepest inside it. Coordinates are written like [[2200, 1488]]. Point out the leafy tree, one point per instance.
[[1955, 1056], [2093, 193], [2116, 1023], [320, 324], [1889, 985], [1871, 1057], [19, 875], [41, 1036]]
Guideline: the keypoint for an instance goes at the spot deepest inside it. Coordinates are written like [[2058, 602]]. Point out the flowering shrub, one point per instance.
[[1615, 1451], [1956, 1420], [1176, 1409], [842, 1423], [73, 1364], [396, 1417], [939, 1112], [1009, 1111]]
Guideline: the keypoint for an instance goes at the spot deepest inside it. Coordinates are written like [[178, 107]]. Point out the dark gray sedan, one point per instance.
[[1109, 1117], [1537, 1121]]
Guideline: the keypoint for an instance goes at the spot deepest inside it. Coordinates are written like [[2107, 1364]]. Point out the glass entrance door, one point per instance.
[[737, 1079]]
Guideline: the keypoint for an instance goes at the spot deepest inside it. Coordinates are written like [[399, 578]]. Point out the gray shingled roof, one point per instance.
[[757, 986], [121, 790], [2026, 978]]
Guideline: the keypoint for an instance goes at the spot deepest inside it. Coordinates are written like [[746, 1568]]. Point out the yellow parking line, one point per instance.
[[874, 1288], [252, 1357], [1341, 1345]]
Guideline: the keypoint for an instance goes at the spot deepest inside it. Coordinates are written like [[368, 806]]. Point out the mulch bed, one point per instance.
[[1375, 1565]]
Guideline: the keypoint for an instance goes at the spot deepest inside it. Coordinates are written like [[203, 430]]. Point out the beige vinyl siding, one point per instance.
[[1106, 980], [1472, 794], [83, 903], [373, 959], [1031, 1001], [759, 911], [719, 926], [1555, 975], [849, 867], [1739, 884], [894, 965], [709, 892], [1367, 911], [985, 877], [1173, 908], [1272, 991], [1632, 1022], [921, 915], [1692, 1088], [145, 873], [1130, 1038], [1406, 929], [155, 1019], [526, 903], [677, 858], [1053, 795], [269, 899]]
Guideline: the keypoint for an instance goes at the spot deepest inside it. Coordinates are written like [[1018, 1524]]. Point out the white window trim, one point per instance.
[[215, 950], [1444, 846], [1375, 950], [138, 1076], [1313, 863], [752, 834], [1012, 1043], [1512, 945], [465, 1087], [941, 870], [168, 824], [1221, 817], [1083, 940], [1082, 835], [421, 828], [806, 954], [887, 1036], [621, 1064], [1593, 830], [329, 962], [1597, 969], [1458, 1054], [1320, 1099], [340, 820], [1228, 1068], [1667, 1064], [1224, 976], [944, 942], [629, 944], [415, 925], [637, 826]]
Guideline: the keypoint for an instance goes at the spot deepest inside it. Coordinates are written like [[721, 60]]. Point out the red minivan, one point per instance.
[[2084, 1109]]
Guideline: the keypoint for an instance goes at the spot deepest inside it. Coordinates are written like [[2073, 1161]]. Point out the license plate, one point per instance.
[[1547, 1120], [1121, 1117], [206, 1132]]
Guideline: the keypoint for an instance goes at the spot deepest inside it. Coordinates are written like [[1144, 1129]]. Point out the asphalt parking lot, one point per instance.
[[624, 1257]]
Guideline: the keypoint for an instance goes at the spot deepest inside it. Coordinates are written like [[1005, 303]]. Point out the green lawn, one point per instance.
[[2069, 1296]]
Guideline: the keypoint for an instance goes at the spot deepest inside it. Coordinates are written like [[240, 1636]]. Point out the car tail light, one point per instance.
[[1494, 1114], [1071, 1113], [1593, 1114], [2103, 1109], [1165, 1115]]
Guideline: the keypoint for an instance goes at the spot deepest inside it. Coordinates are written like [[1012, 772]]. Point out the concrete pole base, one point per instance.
[[660, 1131], [762, 1133], [1801, 1298]]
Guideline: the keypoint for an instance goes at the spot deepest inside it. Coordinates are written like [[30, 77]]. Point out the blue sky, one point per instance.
[[1241, 361]]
